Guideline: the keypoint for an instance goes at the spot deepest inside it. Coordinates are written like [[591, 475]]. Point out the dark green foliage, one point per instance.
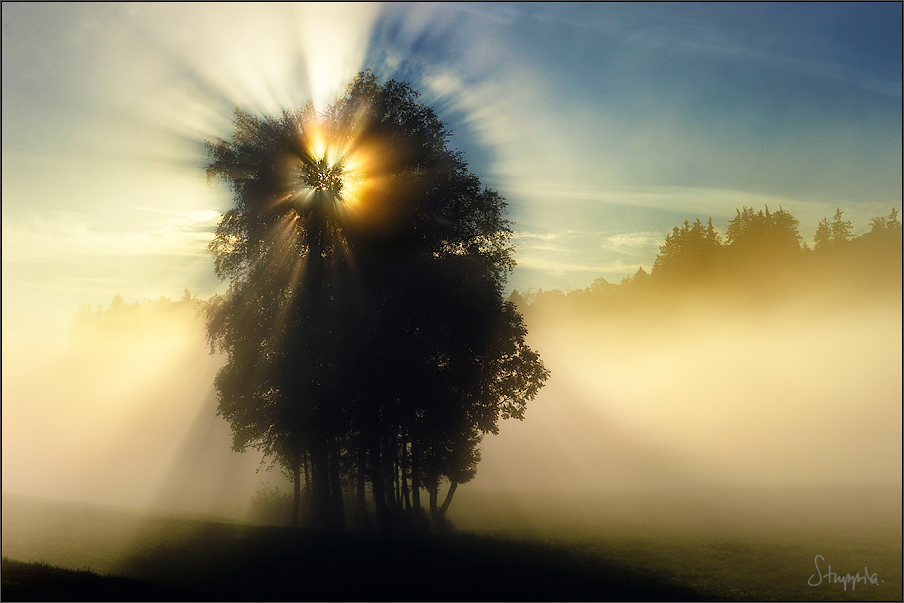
[[366, 336]]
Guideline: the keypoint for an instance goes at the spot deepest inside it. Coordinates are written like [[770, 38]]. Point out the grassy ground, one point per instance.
[[228, 562], [159, 558], [44, 582]]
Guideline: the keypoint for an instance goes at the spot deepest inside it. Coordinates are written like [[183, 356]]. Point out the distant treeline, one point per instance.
[[120, 314], [761, 259]]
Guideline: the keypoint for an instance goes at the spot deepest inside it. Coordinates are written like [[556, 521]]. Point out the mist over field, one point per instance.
[[778, 398], [715, 435], [120, 410], [698, 402]]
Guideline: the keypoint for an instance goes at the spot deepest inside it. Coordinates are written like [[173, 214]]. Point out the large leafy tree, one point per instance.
[[366, 336]]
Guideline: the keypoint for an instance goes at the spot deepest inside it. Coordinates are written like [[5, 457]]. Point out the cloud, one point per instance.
[[564, 241], [634, 243], [580, 256], [57, 236], [192, 220], [56, 262], [548, 265]]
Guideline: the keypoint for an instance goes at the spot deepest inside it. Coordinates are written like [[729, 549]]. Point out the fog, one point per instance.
[[120, 410], [783, 398], [695, 409]]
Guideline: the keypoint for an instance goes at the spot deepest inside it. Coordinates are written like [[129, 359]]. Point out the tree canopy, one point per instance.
[[691, 249], [368, 345]]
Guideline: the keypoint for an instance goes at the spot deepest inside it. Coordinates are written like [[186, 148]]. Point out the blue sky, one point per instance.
[[603, 125]]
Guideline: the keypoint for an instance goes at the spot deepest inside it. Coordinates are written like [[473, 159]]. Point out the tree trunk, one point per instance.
[[296, 507], [337, 508], [388, 481], [397, 485], [433, 496], [361, 506], [449, 494], [405, 491], [306, 492], [403, 466], [320, 473], [415, 481], [383, 517]]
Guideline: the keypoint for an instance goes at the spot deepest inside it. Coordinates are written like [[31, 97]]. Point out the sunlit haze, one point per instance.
[[603, 126]]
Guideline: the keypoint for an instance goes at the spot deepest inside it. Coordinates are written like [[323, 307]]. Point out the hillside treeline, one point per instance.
[[760, 261]]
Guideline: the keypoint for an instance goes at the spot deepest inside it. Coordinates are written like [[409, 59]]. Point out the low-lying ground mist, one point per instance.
[[630, 549], [686, 437], [120, 410]]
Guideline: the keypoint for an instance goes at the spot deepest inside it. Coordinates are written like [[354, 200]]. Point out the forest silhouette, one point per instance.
[[761, 264]]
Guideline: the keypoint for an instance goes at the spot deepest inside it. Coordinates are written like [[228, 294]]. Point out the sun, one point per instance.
[[321, 175], [335, 170]]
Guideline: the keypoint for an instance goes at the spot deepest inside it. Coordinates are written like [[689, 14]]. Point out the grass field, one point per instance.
[[165, 558]]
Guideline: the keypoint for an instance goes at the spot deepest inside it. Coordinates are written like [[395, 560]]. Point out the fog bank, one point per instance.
[[700, 405]]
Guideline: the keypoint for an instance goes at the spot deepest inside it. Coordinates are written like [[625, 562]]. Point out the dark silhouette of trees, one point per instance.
[[829, 234], [766, 235], [689, 252], [841, 229], [763, 261], [760, 247], [886, 226], [368, 346]]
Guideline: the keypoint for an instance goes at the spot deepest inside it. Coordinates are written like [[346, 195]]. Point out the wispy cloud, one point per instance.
[[572, 258], [563, 241], [58, 235], [582, 273], [634, 243], [558, 267]]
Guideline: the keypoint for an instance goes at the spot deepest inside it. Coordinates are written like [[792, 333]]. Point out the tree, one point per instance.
[[841, 229], [823, 237], [688, 251], [882, 224], [759, 235], [365, 332], [830, 234]]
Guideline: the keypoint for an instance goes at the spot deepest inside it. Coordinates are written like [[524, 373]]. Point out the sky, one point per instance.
[[603, 126]]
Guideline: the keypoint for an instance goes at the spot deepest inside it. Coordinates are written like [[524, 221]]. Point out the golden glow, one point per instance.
[[347, 167], [119, 411], [792, 397]]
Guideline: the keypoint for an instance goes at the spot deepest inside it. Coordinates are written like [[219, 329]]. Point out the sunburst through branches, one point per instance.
[[325, 177], [368, 342]]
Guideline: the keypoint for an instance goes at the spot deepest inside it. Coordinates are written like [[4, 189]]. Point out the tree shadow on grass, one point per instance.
[[227, 562]]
